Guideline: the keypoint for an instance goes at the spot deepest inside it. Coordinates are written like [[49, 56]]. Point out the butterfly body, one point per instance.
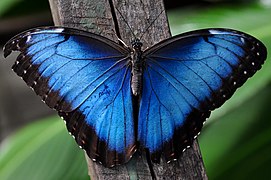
[[92, 82], [137, 67]]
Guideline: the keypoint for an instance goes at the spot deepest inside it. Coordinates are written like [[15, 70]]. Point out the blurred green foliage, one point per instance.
[[42, 150], [11, 8], [235, 142], [6, 5]]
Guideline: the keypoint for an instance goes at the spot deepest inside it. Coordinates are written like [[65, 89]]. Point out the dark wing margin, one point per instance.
[[86, 78], [187, 76]]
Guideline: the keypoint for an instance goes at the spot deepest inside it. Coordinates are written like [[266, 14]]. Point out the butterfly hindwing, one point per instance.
[[187, 76], [86, 78]]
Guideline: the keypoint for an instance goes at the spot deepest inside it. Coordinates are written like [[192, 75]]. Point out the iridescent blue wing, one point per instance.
[[86, 78], [187, 76]]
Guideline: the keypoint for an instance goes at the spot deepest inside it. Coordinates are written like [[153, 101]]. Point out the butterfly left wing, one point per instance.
[[186, 77], [86, 78]]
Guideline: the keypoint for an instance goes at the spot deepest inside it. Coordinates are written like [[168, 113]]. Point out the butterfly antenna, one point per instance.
[[151, 24], [123, 43], [115, 20], [126, 23]]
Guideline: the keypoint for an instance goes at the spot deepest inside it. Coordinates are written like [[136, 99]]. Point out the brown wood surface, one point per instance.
[[147, 19]]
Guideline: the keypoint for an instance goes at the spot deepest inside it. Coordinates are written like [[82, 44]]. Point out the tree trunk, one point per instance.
[[146, 20]]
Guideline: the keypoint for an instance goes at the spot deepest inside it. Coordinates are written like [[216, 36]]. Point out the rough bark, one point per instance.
[[135, 18]]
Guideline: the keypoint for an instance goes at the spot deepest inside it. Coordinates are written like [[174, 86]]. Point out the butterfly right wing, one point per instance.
[[187, 76], [86, 78]]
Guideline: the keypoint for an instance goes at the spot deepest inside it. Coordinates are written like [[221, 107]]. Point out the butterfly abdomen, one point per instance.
[[137, 68]]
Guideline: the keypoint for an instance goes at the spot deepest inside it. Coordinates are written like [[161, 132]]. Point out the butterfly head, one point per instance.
[[137, 44]]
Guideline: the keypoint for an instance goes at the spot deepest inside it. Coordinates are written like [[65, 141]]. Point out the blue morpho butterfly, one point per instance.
[[116, 99]]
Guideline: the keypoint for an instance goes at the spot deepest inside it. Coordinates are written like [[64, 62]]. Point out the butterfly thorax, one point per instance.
[[137, 67]]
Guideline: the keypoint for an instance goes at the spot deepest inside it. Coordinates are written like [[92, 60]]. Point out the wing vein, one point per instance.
[[93, 59], [156, 93], [101, 83], [173, 85]]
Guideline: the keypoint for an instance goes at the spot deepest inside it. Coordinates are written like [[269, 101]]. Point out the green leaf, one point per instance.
[[238, 143], [42, 150], [16, 8], [5, 5]]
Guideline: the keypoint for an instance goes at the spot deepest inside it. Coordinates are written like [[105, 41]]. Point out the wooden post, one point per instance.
[[147, 19]]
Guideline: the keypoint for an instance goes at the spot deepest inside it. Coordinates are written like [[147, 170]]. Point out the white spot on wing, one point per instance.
[[56, 30], [242, 40], [213, 31], [59, 30], [28, 39]]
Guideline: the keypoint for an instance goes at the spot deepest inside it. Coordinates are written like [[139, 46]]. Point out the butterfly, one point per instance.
[[117, 99]]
